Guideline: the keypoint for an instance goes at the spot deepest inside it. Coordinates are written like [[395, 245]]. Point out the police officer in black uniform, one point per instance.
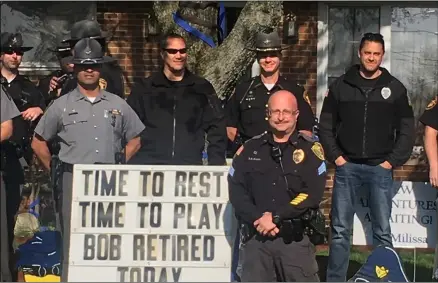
[[430, 120], [112, 75], [246, 108], [30, 103], [66, 83], [276, 179]]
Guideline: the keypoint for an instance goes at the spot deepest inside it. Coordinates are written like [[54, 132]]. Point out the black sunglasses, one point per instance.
[[12, 51], [174, 51]]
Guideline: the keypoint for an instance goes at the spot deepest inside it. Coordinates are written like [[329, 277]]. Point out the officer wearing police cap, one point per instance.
[[112, 75], [246, 108], [92, 125]]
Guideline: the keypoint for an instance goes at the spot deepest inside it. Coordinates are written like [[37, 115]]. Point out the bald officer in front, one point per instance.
[[91, 124]]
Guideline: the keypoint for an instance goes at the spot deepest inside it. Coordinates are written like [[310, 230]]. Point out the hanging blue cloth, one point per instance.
[[207, 39]]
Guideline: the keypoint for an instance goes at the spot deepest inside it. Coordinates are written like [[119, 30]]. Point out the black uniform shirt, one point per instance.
[[25, 95], [258, 184], [430, 115], [246, 108]]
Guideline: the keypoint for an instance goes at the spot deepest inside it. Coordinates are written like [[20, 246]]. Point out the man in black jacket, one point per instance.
[[367, 129], [178, 108]]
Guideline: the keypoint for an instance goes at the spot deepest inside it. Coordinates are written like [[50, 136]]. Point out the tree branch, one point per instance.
[[223, 66]]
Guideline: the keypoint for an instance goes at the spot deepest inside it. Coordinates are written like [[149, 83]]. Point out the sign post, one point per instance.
[[151, 224]]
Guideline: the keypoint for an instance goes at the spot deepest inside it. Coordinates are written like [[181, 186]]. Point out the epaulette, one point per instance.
[[308, 138], [256, 137]]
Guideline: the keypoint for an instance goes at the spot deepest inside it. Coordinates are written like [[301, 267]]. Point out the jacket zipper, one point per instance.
[[365, 123], [174, 125]]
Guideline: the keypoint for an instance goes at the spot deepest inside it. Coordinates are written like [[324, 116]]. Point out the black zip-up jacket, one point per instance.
[[367, 126], [177, 115]]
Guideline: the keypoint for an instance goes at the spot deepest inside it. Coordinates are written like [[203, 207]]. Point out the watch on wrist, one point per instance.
[[276, 220]]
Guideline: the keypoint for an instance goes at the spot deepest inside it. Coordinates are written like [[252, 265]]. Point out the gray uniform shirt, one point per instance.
[[89, 132], [8, 108]]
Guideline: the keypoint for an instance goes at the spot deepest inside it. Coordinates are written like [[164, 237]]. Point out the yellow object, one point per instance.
[[299, 199], [381, 271], [432, 103], [306, 97], [298, 156], [47, 278], [102, 83], [318, 150], [238, 151]]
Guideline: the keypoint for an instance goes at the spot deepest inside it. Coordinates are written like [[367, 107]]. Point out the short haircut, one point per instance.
[[374, 37], [166, 37]]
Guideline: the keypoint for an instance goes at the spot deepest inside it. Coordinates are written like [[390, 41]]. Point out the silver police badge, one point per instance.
[[386, 92]]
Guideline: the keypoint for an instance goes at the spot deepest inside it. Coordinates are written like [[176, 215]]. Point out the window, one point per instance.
[[346, 26], [414, 55]]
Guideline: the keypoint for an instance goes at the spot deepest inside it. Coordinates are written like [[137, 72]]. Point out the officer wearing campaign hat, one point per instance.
[[29, 101], [67, 82], [85, 138], [13, 42], [112, 75], [246, 108], [86, 29]]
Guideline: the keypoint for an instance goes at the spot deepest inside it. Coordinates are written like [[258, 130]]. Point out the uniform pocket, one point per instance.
[[73, 126]]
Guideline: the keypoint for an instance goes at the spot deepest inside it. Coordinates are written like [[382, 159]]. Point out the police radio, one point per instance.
[[277, 155]]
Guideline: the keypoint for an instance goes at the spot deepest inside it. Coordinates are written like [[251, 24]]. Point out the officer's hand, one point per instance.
[[386, 165], [32, 113], [340, 161], [274, 232], [433, 175], [264, 224], [53, 84]]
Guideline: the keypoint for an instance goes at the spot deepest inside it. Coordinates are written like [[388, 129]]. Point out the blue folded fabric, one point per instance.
[[44, 249]]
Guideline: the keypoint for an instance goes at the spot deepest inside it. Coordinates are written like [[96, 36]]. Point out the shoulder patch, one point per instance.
[[257, 137], [432, 104], [318, 150], [102, 83], [239, 151]]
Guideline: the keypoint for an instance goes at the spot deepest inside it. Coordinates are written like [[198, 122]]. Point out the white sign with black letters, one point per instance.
[[413, 220], [150, 224]]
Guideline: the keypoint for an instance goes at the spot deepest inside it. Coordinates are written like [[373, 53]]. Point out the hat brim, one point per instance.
[[22, 49], [270, 49], [104, 34], [59, 49], [104, 60]]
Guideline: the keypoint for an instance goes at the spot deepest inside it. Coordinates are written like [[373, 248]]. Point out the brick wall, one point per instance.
[[137, 53], [139, 56]]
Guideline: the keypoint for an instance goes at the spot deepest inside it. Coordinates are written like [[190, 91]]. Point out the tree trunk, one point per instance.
[[225, 64]]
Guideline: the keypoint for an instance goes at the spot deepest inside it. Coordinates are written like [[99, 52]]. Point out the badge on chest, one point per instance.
[[298, 156], [113, 114]]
